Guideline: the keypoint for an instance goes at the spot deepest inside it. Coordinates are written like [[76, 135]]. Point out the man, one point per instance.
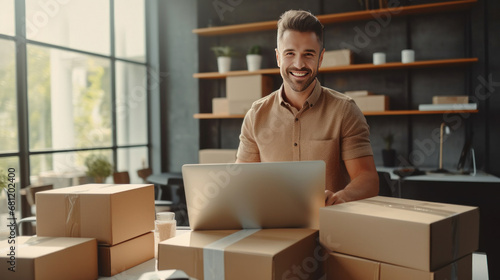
[[305, 121]]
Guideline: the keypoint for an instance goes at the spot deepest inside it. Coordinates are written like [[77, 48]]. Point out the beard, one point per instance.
[[299, 85]]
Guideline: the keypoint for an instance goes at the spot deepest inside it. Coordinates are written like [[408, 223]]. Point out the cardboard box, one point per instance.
[[415, 234], [49, 258], [222, 105], [120, 257], [357, 93], [245, 254], [457, 99], [372, 103], [109, 213], [337, 58], [251, 87], [217, 155], [345, 267]]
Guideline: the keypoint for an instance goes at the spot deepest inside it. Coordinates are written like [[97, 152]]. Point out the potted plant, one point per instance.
[[224, 54], [98, 167], [254, 58], [389, 154], [4, 182]]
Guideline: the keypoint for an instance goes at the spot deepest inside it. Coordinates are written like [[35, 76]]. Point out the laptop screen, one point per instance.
[[254, 195]]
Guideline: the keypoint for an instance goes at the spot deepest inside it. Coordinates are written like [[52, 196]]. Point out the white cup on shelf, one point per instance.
[[378, 58], [407, 56]]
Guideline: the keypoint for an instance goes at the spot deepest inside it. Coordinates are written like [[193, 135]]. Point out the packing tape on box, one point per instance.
[[415, 208], [454, 270], [72, 210], [422, 209], [213, 254]]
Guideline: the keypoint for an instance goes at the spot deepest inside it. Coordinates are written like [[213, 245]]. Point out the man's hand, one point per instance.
[[332, 198]]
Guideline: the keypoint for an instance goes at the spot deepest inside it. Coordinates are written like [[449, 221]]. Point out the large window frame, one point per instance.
[[24, 153]]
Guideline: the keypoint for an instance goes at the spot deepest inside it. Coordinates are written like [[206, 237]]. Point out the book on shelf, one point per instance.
[[444, 107], [454, 99]]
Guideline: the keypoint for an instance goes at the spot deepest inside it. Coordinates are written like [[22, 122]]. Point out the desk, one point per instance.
[[480, 177]]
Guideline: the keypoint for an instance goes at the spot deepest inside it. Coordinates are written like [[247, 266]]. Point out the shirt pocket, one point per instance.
[[326, 150]]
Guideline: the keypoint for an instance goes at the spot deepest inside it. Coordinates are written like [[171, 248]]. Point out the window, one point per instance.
[[129, 30], [131, 103], [7, 25], [69, 100], [80, 25], [8, 102], [82, 96]]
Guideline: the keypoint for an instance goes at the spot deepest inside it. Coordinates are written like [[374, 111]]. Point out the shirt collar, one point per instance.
[[311, 100]]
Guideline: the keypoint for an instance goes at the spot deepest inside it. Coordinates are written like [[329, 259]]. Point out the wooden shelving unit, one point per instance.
[[348, 68], [209, 116], [341, 17]]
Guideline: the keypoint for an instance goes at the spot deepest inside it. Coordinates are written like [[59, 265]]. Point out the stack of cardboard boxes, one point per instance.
[[385, 238], [380, 238], [369, 102], [217, 155], [118, 218], [241, 92]]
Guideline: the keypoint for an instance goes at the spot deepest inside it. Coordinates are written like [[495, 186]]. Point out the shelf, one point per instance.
[[417, 112], [209, 116], [347, 68], [342, 17], [217, 75]]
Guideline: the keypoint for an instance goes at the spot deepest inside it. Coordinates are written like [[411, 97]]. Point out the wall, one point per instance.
[[179, 91]]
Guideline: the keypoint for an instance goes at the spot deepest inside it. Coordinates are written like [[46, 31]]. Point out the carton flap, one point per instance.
[[95, 189], [34, 247]]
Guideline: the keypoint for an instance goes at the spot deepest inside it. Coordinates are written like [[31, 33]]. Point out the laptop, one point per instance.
[[254, 195]]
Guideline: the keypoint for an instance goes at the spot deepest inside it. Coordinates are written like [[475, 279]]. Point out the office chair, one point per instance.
[[386, 184], [29, 193], [121, 177], [144, 174]]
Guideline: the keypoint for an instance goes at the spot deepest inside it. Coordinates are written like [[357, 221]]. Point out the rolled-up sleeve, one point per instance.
[[248, 149], [355, 133]]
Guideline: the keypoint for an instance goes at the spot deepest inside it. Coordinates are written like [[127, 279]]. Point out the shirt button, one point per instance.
[[296, 119], [295, 144]]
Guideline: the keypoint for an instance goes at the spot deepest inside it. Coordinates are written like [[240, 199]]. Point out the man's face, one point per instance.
[[299, 57]]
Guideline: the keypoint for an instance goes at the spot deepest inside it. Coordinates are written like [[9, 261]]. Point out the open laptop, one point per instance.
[[254, 195]]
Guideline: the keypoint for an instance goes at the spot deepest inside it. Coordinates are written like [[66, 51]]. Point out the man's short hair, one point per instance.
[[301, 21]]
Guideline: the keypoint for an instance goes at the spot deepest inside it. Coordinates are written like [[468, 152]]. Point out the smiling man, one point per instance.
[[305, 121]]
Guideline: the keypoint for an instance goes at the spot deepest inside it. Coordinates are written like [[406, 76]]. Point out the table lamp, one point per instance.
[[444, 129]]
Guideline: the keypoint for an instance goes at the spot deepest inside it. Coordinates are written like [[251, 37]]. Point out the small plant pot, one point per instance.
[[254, 61], [224, 64], [389, 157]]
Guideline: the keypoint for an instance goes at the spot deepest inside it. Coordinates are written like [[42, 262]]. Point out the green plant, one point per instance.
[[223, 51], [4, 180], [388, 139], [255, 49], [98, 166]]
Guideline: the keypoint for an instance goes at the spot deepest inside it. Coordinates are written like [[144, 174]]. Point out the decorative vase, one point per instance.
[[389, 157], [224, 63], [254, 61]]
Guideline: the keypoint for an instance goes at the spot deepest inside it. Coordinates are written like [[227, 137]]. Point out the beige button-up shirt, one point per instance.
[[329, 127]]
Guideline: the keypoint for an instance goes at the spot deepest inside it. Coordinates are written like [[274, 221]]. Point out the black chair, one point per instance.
[[174, 184], [387, 187]]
